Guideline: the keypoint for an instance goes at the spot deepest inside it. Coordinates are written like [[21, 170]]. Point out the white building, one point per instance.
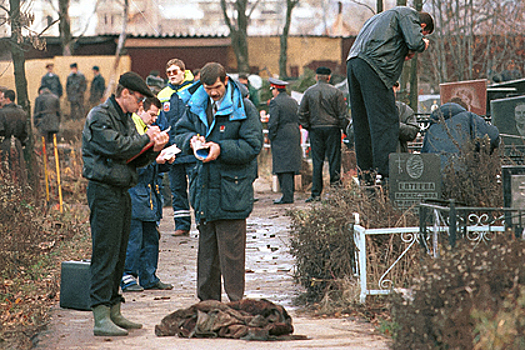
[[194, 17]]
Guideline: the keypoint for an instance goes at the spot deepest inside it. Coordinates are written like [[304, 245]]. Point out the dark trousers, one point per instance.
[[222, 251], [179, 195], [325, 142], [287, 184], [110, 217], [142, 255], [375, 117], [77, 109]]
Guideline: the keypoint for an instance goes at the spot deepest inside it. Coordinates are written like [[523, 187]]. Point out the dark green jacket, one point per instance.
[[109, 139], [385, 39], [223, 189]]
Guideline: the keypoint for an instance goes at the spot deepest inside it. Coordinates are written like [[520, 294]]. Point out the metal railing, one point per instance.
[[441, 222]]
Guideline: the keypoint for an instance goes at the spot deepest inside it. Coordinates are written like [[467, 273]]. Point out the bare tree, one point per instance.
[[121, 41], [473, 37], [66, 38], [237, 17], [18, 43], [283, 54]]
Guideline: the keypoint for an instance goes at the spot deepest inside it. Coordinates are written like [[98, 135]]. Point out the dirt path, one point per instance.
[[269, 275]]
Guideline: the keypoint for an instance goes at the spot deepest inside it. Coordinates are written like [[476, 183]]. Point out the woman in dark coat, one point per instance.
[[285, 138]]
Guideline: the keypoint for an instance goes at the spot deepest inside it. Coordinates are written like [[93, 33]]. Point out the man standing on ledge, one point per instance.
[[374, 64], [323, 113], [109, 139], [221, 185]]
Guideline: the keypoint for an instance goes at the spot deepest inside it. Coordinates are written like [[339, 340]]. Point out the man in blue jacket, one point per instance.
[[374, 64], [173, 98], [221, 185], [142, 255], [452, 127]]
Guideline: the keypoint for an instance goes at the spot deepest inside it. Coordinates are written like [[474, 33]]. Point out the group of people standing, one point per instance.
[[128, 142], [213, 113], [47, 110]]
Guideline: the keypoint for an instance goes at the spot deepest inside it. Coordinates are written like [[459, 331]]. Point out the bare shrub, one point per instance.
[[323, 242], [472, 179], [451, 290]]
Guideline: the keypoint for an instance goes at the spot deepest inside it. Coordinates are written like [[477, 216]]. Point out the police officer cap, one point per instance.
[[132, 81], [73, 65], [278, 83], [323, 71]]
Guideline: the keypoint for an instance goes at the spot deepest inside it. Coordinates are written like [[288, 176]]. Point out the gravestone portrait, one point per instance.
[[508, 115], [413, 178], [472, 92]]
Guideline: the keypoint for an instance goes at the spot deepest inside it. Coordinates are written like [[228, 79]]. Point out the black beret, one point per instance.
[[323, 71], [132, 81], [73, 65], [96, 68]]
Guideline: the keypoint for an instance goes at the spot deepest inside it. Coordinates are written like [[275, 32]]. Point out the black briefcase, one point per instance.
[[74, 285]]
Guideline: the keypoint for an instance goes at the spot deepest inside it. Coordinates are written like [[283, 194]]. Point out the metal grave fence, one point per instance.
[[439, 224]]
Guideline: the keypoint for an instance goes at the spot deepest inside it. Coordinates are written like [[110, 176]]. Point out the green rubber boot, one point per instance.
[[120, 321], [103, 324]]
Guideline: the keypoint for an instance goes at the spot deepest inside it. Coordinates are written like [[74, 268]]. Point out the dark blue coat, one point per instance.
[[146, 198], [284, 134], [460, 127], [222, 189]]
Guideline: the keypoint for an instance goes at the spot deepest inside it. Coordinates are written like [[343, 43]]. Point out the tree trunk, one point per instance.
[[379, 6], [414, 88], [18, 57], [64, 26], [283, 54], [238, 32], [121, 40]]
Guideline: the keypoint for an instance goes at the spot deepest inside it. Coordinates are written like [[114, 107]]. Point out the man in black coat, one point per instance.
[[285, 138], [98, 87], [13, 128], [76, 87], [51, 81], [47, 113], [323, 113], [110, 145]]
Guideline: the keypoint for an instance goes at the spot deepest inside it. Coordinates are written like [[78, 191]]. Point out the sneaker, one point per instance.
[[161, 286], [129, 284], [133, 288]]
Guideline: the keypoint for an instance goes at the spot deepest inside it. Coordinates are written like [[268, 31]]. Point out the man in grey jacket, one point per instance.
[[323, 113], [374, 64]]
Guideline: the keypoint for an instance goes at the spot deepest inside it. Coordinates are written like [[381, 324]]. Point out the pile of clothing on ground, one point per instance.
[[246, 319]]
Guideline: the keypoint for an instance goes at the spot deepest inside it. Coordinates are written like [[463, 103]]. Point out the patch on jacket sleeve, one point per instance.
[[166, 106]]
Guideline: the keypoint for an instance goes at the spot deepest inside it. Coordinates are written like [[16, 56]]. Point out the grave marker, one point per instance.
[[413, 178]]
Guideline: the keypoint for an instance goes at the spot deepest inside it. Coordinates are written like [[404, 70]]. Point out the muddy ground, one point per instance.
[[269, 275]]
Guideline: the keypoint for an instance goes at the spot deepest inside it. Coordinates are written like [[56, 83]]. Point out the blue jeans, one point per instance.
[[179, 195], [142, 256]]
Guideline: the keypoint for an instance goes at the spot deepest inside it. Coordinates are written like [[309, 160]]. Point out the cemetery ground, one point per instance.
[[269, 274]]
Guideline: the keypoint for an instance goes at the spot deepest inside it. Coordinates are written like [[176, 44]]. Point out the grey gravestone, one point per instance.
[[508, 115], [514, 192], [413, 178]]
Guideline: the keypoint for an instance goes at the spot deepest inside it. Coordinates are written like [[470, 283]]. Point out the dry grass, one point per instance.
[[34, 238]]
